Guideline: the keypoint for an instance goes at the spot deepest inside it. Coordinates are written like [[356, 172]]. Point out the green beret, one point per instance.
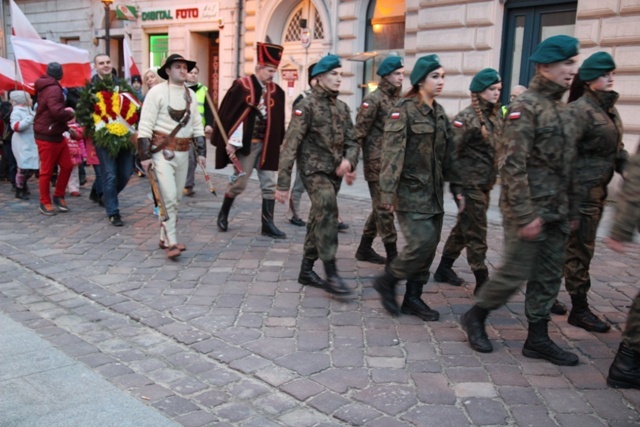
[[555, 49], [327, 63], [424, 66], [389, 65], [596, 65], [484, 79]]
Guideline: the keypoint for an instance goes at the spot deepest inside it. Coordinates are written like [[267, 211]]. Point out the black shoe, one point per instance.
[[413, 304], [473, 323], [445, 273], [366, 253], [297, 221], [558, 308], [624, 372], [334, 283], [188, 191], [47, 209], [309, 277], [585, 319], [342, 226], [223, 215], [268, 226], [482, 276], [392, 251], [539, 346], [385, 285], [60, 204], [116, 221], [21, 194]]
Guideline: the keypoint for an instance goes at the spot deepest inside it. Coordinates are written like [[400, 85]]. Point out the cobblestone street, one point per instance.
[[225, 336]]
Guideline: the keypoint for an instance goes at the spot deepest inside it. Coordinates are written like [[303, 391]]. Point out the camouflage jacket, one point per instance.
[[538, 142], [417, 157], [627, 218], [319, 136], [370, 120], [600, 147], [475, 158]]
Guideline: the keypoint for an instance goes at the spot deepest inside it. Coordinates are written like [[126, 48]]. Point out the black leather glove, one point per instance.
[[144, 148], [201, 148]]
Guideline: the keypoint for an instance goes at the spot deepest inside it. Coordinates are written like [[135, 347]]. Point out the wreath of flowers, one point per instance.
[[109, 112]]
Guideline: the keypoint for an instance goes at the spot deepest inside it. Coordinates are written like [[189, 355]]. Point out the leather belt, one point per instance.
[[256, 141], [159, 139]]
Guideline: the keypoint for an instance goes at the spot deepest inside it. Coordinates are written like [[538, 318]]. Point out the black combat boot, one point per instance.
[[386, 287], [308, 277], [624, 372], [334, 283], [223, 215], [582, 316], [413, 304], [268, 227], [558, 308], [366, 253], [21, 194], [473, 323], [539, 346], [392, 251], [445, 274], [482, 276]]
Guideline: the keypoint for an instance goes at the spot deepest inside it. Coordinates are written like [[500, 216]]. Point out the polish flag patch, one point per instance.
[[298, 113], [395, 116], [457, 124], [515, 115], [365, 105]]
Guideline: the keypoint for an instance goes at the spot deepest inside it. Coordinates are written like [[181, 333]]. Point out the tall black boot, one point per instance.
[[223, 215], [392, 251], [307, 276], [268, 227], [473, 323], [334, 283], [482, 276], [445, 273], [413, 304], [624, 372], [366, 253], [21, 194], [386, 287], [582, 316], [539, 346]]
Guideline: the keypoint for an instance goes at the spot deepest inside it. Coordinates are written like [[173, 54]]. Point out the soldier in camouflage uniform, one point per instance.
[[475, 130], [417, 157], [369, 129], [538, 202], [321, 139], [600, 152], [625, 369]]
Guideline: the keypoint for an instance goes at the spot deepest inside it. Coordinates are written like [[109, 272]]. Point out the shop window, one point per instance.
[[158, 49], [71, 41], [305, 16], [384, 36]]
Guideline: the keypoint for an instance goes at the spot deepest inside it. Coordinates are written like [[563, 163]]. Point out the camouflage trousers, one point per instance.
[[470, 230], [631, 334], [538, 262], [321, 240], [580, 250], [422, 234], [380, 221]]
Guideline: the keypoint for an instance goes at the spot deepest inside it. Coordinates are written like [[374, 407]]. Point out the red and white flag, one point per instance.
[[130, 68], [8, 79], [33, 54]]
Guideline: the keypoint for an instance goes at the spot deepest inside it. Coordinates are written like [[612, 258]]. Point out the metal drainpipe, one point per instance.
[[238, 38]]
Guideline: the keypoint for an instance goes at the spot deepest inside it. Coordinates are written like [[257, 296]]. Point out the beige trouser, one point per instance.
[[172, 175], [267, 178]]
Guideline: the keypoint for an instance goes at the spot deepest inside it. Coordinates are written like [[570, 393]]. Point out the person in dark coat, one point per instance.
[[252, 113]]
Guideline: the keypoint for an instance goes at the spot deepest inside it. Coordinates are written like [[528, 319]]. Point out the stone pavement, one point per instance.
[[226, 336]]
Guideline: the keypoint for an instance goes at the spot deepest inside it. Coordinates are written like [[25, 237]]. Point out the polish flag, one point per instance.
[[33, 54], [130, 68], [8, 79]]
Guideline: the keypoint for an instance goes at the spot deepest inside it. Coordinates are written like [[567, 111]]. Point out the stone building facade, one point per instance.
[[467, 35]]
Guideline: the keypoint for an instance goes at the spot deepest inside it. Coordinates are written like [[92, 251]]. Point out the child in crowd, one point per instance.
[[23, 141], [78, 153]]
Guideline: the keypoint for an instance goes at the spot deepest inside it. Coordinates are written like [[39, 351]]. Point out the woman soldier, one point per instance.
[[600, 153], [416, 159], [475, 130]]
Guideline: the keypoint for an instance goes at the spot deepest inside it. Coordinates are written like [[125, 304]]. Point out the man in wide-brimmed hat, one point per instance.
[[252, 113], [168, 122]]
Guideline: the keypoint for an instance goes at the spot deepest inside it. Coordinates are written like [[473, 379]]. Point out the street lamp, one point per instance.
[[107, 4]]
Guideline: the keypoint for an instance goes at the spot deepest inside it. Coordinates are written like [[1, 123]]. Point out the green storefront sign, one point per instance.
[[157, 15]]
